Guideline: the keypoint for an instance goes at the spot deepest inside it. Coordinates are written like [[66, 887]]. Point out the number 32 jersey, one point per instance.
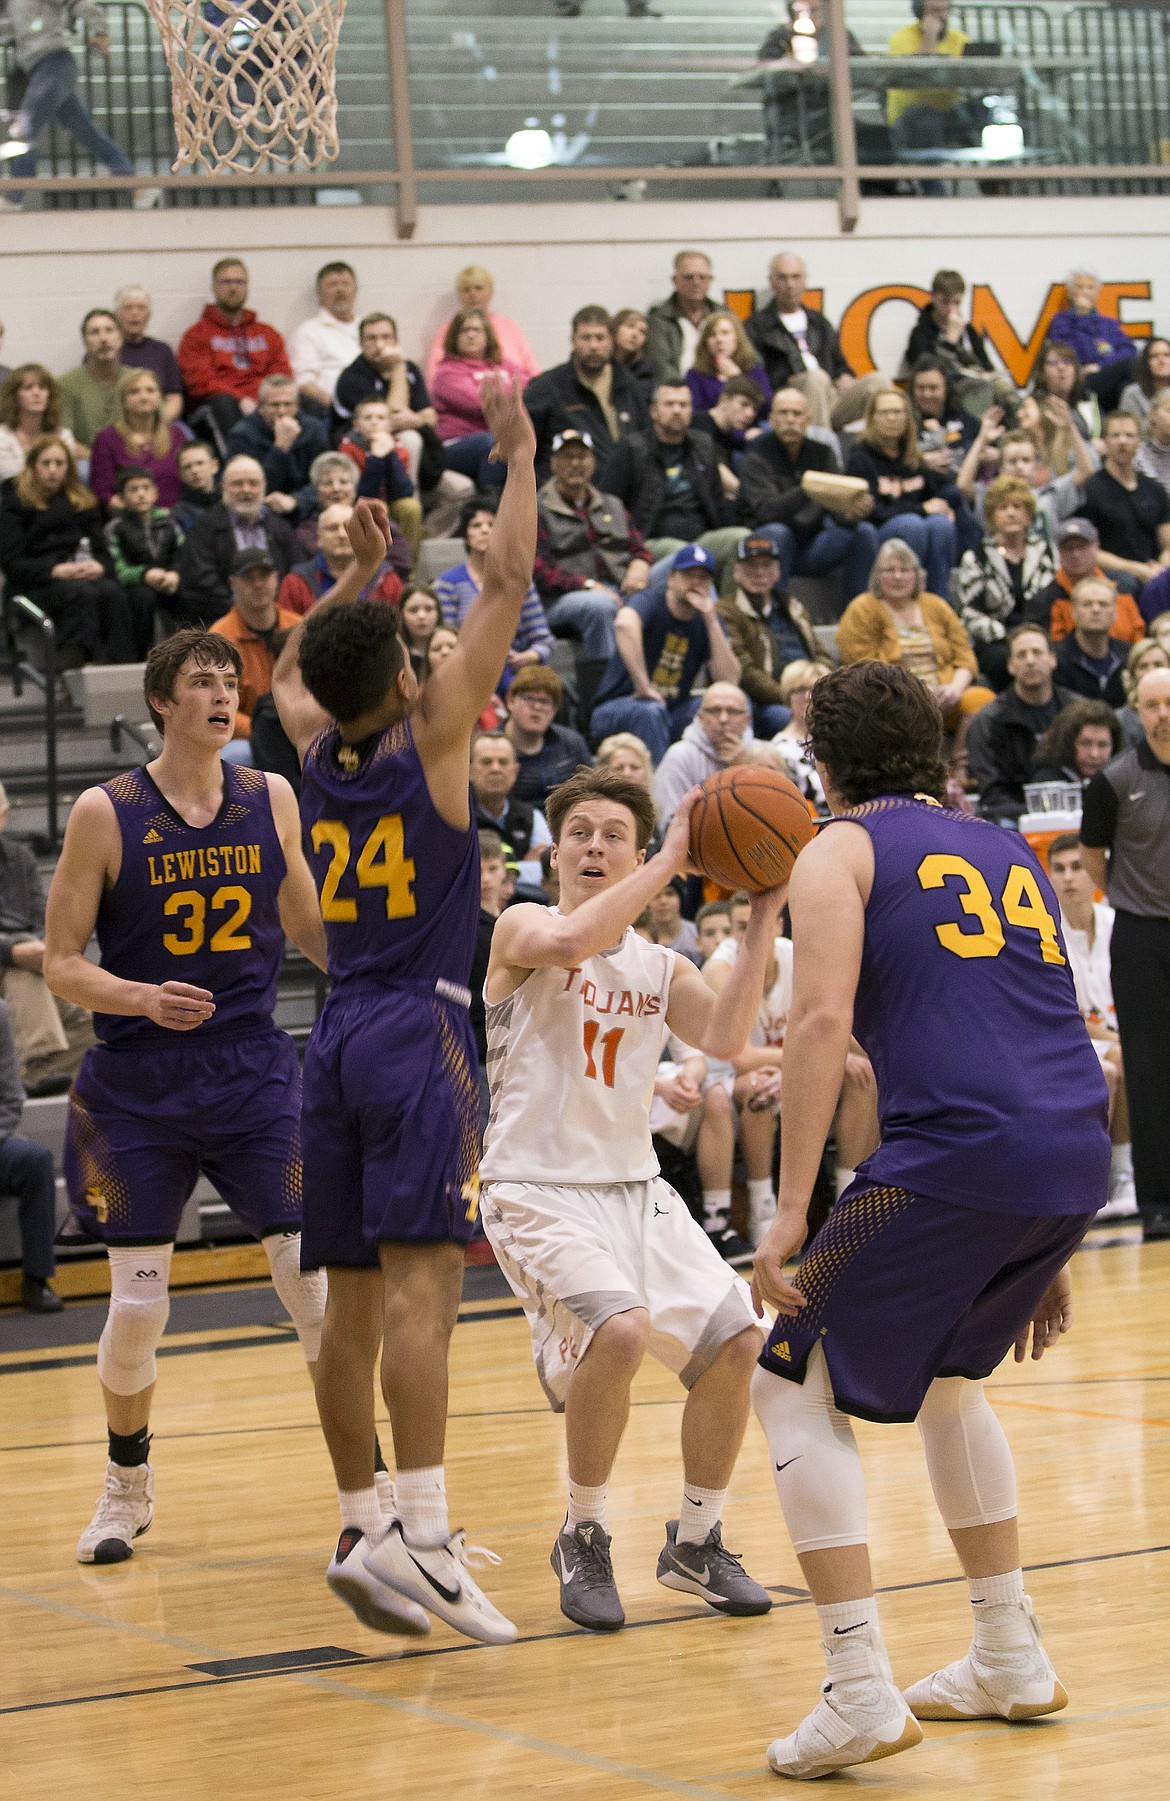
[[571, 1061], [989, 1090], [194, 904]]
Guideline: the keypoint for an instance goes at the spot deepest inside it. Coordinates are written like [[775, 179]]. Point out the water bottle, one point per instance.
[[84, 552]]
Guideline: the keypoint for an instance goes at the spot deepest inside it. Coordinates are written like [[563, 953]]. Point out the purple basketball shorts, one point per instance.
[[144, 1124], [901, 1289], [390, 1123]]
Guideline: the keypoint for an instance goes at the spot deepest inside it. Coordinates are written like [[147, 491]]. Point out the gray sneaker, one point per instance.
[[710, 1571], [589, 1594]]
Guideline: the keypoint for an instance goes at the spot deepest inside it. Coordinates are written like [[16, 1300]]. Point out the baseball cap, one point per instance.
[[754, 545], [252, 559], [1078, 528], [692, 556], [571, 436]]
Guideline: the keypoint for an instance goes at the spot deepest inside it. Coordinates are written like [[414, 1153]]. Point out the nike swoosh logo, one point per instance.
[[840, 1631], [696, 1576], [567, 1574], [450, 1596], [692, 1500], [1140, 796], [784, 1466]]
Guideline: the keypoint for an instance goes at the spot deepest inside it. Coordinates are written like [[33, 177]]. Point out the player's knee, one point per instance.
[[967, 1455], [139, 1307], [717, 1102], [302, 1293], [623, 1336], [738, 1355]]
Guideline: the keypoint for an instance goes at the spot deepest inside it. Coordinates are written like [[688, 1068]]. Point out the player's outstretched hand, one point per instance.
[[179, 1007], [1052, 1317], [770, 904], [770, 1286], [676, 846], [502, 405], [369, 532]]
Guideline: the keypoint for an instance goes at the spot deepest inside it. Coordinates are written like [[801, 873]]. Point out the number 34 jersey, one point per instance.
[[989, 1090], [571, 1061], [194, 904]]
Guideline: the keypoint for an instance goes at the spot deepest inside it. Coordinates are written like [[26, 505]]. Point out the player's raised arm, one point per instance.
[[91, 857], [457, 693], [301, 716], [300, 910], [720, 1024], [534, 937]]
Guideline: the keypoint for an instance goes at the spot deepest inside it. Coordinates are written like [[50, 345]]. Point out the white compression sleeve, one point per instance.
[[967, 1455], [815, 1461], [139, 1306], [303, 1294]]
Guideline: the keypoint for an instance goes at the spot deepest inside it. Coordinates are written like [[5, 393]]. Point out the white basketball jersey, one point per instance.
[[571, 1061]]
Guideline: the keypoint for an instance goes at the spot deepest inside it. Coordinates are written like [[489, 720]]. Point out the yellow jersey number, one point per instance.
[[380, 864], [188, 908], [1021, 904]]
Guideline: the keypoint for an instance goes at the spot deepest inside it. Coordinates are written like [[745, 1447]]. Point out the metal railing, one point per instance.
[[1102, 124], [45, 679]]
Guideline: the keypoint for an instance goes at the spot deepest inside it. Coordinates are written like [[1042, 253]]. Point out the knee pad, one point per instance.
[[967, 1455], [303, 1295], [139, 1306], [816, 1465]]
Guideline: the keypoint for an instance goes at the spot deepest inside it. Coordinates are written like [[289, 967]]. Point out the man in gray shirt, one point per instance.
[[26, 1175], [1125, 834], [39, 31]]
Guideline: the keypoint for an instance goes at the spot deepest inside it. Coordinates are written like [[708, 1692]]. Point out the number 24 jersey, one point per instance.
[[989, 1090], [571, 1061]]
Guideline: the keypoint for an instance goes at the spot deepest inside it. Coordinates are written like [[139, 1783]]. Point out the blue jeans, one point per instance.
[[655, 725], [469, 456], [588, 616], [26, 1172], [850, 548], [51, 96], [934, 541]]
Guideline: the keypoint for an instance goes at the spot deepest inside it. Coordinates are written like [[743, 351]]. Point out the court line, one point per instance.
[[792, 1598], [269, 1335]]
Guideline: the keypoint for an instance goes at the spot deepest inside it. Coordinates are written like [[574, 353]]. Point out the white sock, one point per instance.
[[716, 1207], [845, 1623], [422, 1506], [1121, 1162], [587, 1504], [844, 1177], [701, 1509], [996, 1591], [360, 1509], [761, 1197]]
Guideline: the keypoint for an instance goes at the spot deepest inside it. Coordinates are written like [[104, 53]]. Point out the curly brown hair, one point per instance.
[[10, 393], [876, 730], [1057, 748]]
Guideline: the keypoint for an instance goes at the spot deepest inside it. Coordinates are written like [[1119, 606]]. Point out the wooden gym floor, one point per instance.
[[216, 1663]]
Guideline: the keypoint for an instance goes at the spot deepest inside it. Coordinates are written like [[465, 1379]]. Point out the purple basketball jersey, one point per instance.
[[399, 886], [990, 1094], [194, 904]]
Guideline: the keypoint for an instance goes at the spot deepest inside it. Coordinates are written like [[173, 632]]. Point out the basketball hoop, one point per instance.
[[251, 84]]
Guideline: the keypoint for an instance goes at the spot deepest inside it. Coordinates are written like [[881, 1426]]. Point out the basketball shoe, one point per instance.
[[589, 1594], [860, 1717], [376, 1606], [1006, 1674], [712, 1572], [123, 1514], [439, 1579]]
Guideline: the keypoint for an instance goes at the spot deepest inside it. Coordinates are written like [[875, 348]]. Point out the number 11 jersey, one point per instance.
[[571, 1061]]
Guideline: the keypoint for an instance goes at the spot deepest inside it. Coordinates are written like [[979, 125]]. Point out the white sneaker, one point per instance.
[[1122, 1202], [10, 206], [387, 1495], [376, 1606], [860, 1718], [759, 1219], [439, 1580], [1006, 1676], [123, 1514], [144, 200]]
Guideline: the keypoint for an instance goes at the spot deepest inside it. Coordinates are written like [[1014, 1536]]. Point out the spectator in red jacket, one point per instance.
[[227, 353]]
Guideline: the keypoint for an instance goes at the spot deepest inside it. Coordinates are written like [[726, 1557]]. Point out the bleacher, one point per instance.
[[614, 91]]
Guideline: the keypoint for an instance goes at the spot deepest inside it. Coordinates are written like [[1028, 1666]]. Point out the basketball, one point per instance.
[[748, 827]]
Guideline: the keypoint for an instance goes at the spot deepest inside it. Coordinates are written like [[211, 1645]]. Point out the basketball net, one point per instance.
[[251, 85]]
